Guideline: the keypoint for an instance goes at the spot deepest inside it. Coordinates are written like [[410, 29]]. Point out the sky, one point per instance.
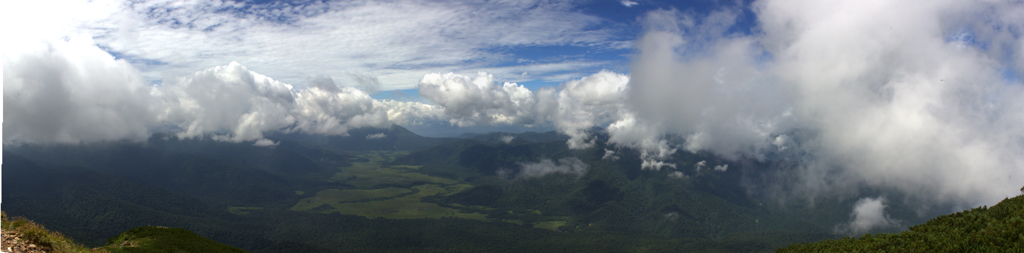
[[924, 98]]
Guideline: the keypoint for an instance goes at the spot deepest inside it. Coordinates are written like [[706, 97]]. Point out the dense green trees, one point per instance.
[[996, 229]]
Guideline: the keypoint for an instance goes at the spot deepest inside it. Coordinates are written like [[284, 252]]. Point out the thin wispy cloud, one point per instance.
[[393, 41]]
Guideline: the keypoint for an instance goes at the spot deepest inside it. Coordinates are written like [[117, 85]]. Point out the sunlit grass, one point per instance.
[[368, 175], [334, 196], [549, 225], [456, 188], [39, 235], [406, 167], [390, 202], [404, 207]]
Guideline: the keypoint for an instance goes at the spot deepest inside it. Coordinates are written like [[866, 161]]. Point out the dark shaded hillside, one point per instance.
[[164, 239], [289, 158], [470, 158], [614, 194], [92, 207], [23, 235], [520, 138], [209, 179], [258, 198], [394, 138], [999, 228]]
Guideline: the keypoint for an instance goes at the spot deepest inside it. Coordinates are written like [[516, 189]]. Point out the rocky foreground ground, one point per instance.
[[12, 242]]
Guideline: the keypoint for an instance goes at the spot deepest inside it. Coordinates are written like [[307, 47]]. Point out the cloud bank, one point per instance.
[[920, 97], [868, 214], [74, 92]]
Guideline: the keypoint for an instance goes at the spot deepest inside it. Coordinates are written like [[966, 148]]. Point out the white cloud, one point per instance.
[[568, 165], [722, 168], [376, 136], [677, 175], [411, 113], [609, 155], [507, 139], [70, 92], [265, 143], [881, 94], [704, 165], [587, 102], [700, 165], [655, 165], [868, 214], [471, 101], [628, 3], [579, 105], [245, 104], [74, 92]]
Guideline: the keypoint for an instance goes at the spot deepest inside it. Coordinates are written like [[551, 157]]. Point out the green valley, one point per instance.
[[461, 195]]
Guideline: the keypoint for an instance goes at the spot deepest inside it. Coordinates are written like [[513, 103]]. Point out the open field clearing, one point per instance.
[[371, 175]]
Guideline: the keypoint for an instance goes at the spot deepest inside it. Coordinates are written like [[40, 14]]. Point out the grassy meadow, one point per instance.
[[394, 192]]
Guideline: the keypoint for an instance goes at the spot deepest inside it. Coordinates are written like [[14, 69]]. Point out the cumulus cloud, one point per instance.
[[868, 214], [609, 155], [678, 175], [71, 92], [507, 139], [568, 165], [74, 92], [265, 143], [722, 167], [887, 95], [587, 102], [579, 105], [245, 104], [702, 165], [471, 101], [376, 136], [655, 165], [411, 113], [916, 97], [628, 3]]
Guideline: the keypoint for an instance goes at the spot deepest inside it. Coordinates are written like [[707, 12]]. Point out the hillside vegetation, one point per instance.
[[999, 228], [163, 239], [399, 192], [137, 240]]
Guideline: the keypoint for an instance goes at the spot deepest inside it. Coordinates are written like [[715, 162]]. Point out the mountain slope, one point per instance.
[[91, 206], [984, 229], [32, 236], [614, 194], [163, 239], [394, 138], [537, 195], [520, 138]]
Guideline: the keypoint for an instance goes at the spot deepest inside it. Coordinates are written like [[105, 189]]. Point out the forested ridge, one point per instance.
[[982, 229]]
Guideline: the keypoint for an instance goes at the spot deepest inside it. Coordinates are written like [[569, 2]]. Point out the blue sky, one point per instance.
[[279, 38]]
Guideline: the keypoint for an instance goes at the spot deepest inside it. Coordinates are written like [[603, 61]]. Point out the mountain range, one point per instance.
[[393, 190]]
